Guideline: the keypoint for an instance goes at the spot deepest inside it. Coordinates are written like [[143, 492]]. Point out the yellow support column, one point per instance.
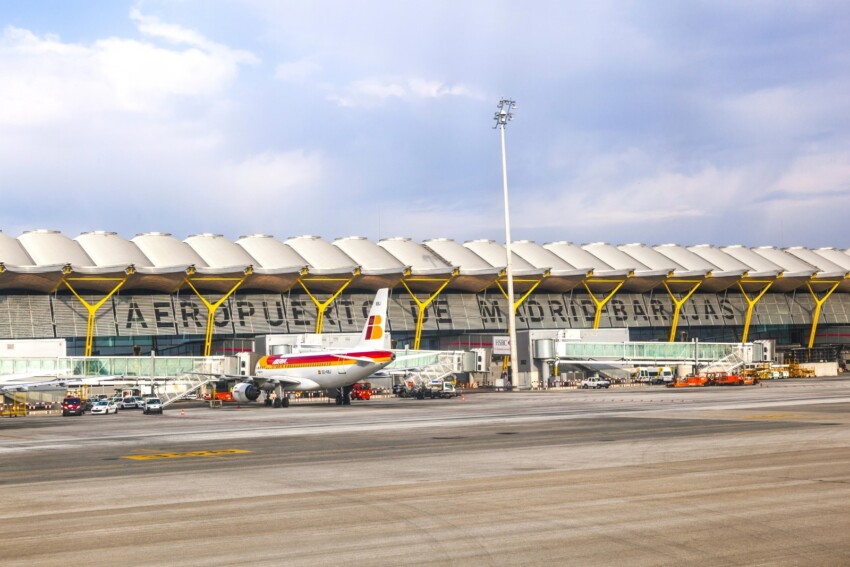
[[678, 303], [421, 306], [525, 296], [212, 307], [321, 306], [751, 303], [92, 309], [601, 303], [818, 305]]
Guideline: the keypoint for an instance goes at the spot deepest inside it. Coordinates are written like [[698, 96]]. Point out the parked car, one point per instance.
[[595, 382], [128, 403], [152, 405], [73, 405], [140, 402], [105, 407]]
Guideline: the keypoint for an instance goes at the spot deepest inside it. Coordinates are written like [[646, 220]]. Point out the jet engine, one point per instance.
[[246, 392]]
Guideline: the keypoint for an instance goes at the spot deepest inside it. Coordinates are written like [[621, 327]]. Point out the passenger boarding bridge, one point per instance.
[[126, 367], [642, 353], [546, 353]]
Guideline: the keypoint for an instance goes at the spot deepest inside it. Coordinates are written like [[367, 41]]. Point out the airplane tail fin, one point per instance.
[[373, 335]]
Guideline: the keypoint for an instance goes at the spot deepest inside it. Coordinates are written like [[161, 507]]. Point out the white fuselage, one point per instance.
[[322, 371]]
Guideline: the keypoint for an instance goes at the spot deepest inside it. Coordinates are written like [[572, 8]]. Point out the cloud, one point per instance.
[[45, 79], [297, 71], [129, 134], [375, 92], [271, 176]]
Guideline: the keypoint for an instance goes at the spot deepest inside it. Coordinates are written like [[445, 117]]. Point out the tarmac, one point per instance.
[[651, 476]]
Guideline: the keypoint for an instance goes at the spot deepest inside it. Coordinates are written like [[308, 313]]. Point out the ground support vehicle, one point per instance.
[[654, 375], [415, 387], [725, 379], [441, 389], [361, 391], [689, 382], [152, 405], [595, 382], [714, 379], [73, 406], [104, 407], [220, 396]]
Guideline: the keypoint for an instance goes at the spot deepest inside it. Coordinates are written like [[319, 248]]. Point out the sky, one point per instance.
[[719, 122]]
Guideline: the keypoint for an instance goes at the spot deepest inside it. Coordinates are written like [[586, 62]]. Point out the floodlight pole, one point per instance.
[[502, 117]]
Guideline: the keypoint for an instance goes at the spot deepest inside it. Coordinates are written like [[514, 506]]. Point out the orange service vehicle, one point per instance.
[[223, 396], [361, 391], [714, 379], [688, 382], [725, 379]]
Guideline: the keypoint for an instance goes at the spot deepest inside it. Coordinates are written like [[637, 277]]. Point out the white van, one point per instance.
[[654, 375]]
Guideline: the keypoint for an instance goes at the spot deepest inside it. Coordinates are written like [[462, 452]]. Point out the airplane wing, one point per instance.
[[392, 372], [282, 380], [31, 382], [357, 358]]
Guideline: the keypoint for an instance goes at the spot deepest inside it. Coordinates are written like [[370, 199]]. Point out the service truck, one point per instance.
[[595, 382], [654, 375]]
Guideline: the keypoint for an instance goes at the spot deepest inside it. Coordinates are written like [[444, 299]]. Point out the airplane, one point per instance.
[[332, 370], [46, 382], [24, 382]]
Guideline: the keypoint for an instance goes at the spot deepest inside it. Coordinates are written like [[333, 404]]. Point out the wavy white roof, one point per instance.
[[219, 252], [791, 265], [577, 256], [691, 261], [271, 253], [826, 267], [496, 255], [164, 250], [108, 249], [50, 247], [422, 261], [477, 262], [722, 260], [456, 254], [539, 257], [12, 252], [369, 256], [834, 255], [759, 264], [322, 257], [654, 260]]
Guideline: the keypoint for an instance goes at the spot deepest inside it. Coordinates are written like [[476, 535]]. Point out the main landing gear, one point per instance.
[[277, 398], [343, 396]]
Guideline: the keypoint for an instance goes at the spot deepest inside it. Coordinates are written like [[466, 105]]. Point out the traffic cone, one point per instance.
[[463, 397], [182, 412]]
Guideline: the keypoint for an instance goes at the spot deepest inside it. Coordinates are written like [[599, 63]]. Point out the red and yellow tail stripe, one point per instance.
[[374, 328], [281, 361]]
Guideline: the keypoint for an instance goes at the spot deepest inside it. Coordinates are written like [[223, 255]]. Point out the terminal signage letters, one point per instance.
[[282, 313]]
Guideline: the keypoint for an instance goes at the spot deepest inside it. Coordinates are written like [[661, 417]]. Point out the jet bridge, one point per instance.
[[170, 377], [540, 350], [643, 353]]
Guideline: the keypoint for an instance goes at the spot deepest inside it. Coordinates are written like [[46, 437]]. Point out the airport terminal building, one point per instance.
[[107, 295]]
